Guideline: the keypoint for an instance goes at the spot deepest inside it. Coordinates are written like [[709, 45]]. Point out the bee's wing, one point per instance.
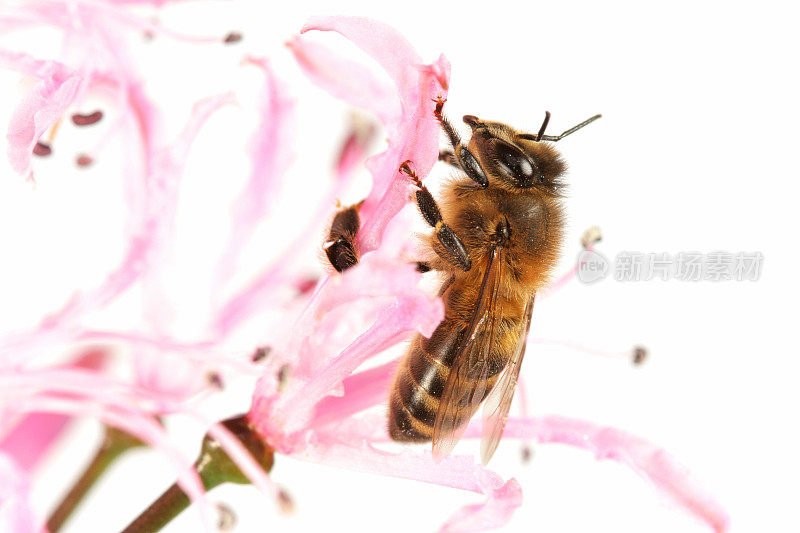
[[466, 385], [495, 410]]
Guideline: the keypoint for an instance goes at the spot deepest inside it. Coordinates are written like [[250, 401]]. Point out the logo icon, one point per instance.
[[592, 266]]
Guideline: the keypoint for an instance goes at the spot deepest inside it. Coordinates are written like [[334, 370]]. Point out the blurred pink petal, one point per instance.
[[643, 457], [39, 110], [135, 422], [458, 472], [271, 153], [359, 87], [32, 436], [283, 270], [77, 15], [153, 201], [502, 499], [413, 133], [16, 513]]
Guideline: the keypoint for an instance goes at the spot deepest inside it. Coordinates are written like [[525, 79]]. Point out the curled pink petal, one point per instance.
[[358, 86], [502, 499], [458, 472], [38, 111], [413, 136], [380, 41], [643, 457]]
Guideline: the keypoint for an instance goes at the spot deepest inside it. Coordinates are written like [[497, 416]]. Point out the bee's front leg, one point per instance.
[[453, 250], [460, 156]]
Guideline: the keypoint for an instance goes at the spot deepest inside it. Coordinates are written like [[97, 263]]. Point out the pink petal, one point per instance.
[[643, 457], [16, 513], [283, 270], [271, 152], [152, 199], [33, 436], [38, 111], [361, 391], [386, 292], [85, 17], [346, 80], [414, 135], [380, 41], [502, 499], [135, 422], [354, 147], [459, 472]]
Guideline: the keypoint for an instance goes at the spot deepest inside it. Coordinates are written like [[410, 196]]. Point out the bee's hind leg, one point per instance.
[[452, 249], [340, 247]]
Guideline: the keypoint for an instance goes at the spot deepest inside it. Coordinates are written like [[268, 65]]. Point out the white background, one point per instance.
[[695, 152]]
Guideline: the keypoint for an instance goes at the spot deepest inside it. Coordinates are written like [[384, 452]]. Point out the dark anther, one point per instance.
[[261, 353], [83, 160], [285, 501], [232, 37], [42, 149], [215, 380], [283, 377], [86, 120], [527, 453], [639, 355], [227, 518], [423, 267]]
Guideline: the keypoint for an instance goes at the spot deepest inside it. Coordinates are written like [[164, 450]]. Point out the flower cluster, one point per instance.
[[321, 390]]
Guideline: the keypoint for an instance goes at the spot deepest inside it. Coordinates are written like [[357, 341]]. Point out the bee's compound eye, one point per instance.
[[512, 162]]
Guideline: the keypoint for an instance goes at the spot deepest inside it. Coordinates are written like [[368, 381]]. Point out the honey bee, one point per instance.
[[497, 234]]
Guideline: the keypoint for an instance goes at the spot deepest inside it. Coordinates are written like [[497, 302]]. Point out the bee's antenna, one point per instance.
[[570, 131], [544, 125]]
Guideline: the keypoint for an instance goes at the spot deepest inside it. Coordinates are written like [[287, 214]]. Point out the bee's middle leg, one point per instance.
[[452, 249]]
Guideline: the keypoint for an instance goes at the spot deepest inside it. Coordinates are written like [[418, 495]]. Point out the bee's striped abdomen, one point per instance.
[[420, 381]]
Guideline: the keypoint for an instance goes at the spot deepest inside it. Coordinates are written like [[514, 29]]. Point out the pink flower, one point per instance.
[[315, 413], [318, 399]]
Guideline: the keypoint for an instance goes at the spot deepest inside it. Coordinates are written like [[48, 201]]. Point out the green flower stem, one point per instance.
[[214, 467], [115, 443]]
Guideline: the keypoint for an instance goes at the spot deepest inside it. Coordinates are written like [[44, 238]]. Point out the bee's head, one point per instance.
[[519, 160]]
